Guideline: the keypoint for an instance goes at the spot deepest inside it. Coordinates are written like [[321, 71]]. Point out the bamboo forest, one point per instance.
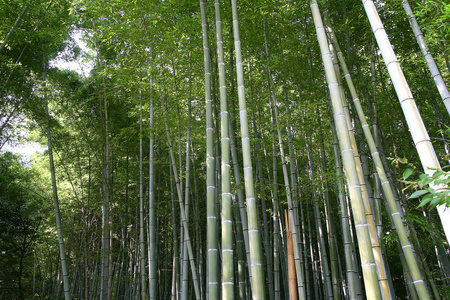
[[176, 149]]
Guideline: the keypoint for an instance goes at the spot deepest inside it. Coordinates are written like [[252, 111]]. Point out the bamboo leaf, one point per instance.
[[417, 194], [431, 191], [407, 173], [425, 200]]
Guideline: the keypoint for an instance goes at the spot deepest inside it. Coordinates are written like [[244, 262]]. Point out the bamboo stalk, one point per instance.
[[227, 225], [212, 252], [440, 84], [141, 208], [415, 123], [362, 232], [62, 250], [291, 260], [387, 191], [15, 26], [258, 290]]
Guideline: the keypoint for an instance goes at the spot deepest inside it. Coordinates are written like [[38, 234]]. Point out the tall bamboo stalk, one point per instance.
[[14, 28], [141, 208], [212, 256], [227, 225], [415, 123], [185, 283], [258, 290], [62, 248], [295, 194], [151, 208], [440, 84], [277, 244], [362, 232]]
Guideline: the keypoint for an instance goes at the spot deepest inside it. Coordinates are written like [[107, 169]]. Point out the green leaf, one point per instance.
[[427, 181], [431, 191], [435, 202], [407, 173], [438, 174], [423, 176], [425, 200], [417, 194]]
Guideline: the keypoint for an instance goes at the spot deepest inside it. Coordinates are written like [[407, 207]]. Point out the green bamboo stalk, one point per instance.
[[241, 217], [151, 208], [387, 191], [305, 252], [141, 208], [367, 259], [62, 250], [227, 225], [314, 264], [185, 285], [258, 290], [276, 227], [14, 28], [175, 267], [212, 253], [440, 84], [241, 201], [265, 223]]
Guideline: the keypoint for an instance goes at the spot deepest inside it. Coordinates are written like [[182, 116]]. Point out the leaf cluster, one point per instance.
[[432, 188]]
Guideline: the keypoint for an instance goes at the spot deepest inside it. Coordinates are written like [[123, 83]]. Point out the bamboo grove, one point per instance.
[[225, 150]]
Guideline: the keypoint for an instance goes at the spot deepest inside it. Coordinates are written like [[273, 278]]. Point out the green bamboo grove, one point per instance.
[[224, 150]]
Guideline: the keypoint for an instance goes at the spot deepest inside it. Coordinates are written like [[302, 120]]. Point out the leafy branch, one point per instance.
[[430, 188]]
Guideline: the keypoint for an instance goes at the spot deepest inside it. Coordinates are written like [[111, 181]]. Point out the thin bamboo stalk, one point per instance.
[[265, 224], [295, 193], [141, 208], [329, 219], [276, 228], [440, 84], [185, 283], [14, 28], [62, 250], [151, 208]]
